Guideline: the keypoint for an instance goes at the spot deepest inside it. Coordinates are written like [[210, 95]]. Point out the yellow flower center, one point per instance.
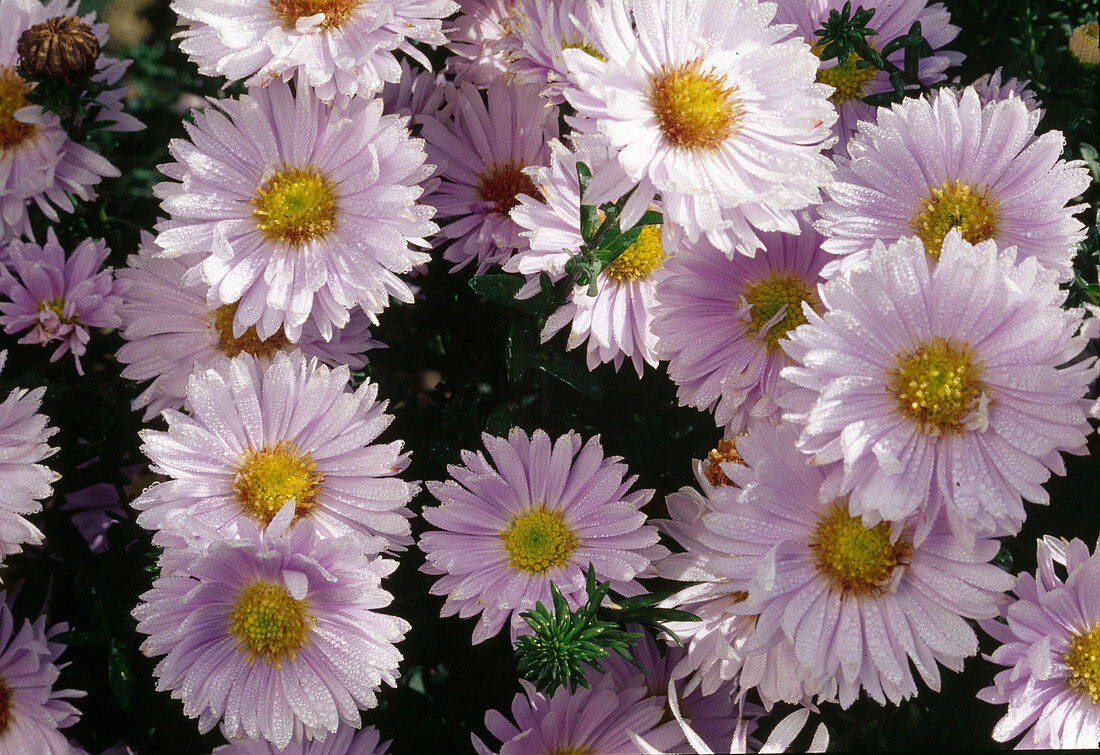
[[847, 79], [295, 205], [1084, 44], [567, 750], [1083, 660], [695, 109], [640, 258], [579, 44], [265, 480], [538, 539], [955, 205], [268, 623], [856, 560], [248, 342], [57, 306], [936, 385], [769, 295], [12, 89], [502, 183], [336, 11], [725, 452]]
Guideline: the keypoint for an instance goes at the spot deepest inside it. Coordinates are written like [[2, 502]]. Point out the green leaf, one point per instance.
[[119, 674], [501, 289], [581, 380], [519, 349]]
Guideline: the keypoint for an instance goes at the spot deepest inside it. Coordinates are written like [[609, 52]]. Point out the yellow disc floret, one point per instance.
[[502, 183], [768, 296], [266, 479], [955, 204], [12, 89], [936, 385], [1084, 44], [336, 11], [577, 43], [1083, 660], [248, 342], [847, 79], [857, 560], [538, 539], [295, 205], [640, 258], [695, 109], [268, 623]]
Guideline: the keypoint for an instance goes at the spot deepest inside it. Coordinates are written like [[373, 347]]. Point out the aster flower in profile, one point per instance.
[[300, 210], [538, 513], [616, 322], [991, 87], [474, 38], [689, 101], [857, 603], [95, 509], [892, 19], [712, 716], [283, 610], [346, 741], [39, 164], [947, 161], [415, 95], [484, 150], [31, 710], [538, 32], [335, 47], [171, 332], [938, 385], [58, 299], [599, 719], [23, 480], [1051, 646], [719, 322], [261, 434]]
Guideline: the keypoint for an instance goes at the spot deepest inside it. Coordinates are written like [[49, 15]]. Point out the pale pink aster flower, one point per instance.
[[259, 436], [719, 322], [346, 741], [892, 19], [473, 38], [96, 508], [171, 332], [990, 88], [39, 164], [857, 603], [618, 321], [32, 710], [705, 105], [484, 151], [1050, 644], [938, 384], [596, 720], [538, 31], [58, 299], [335, 47], [932, 164], [23, 481], [415, 95], [277, 634], [539, 512], [301, 210], [713, 716], [716, 654]]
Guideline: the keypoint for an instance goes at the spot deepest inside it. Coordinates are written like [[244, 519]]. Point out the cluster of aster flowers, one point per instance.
[[866, 298]]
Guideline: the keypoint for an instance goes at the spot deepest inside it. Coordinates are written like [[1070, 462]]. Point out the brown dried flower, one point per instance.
[[59, 46]]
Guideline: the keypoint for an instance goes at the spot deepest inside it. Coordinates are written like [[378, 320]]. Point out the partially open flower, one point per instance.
[[61, 46]]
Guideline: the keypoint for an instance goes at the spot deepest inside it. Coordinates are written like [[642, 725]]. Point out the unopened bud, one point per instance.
[[61, 46]]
